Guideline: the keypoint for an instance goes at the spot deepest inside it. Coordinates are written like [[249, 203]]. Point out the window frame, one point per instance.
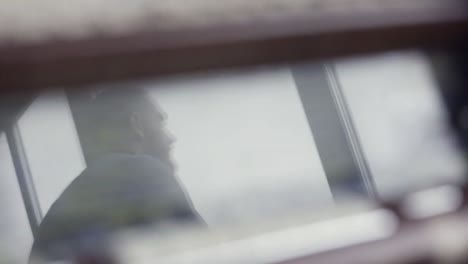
[[12, 109], [320, 95]]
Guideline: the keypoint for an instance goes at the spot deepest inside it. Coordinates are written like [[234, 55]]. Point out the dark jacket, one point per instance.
[[114, 192]]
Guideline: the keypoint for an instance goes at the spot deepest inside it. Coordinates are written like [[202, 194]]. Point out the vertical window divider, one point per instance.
[[350, 130], [25, 180], [332, 128]]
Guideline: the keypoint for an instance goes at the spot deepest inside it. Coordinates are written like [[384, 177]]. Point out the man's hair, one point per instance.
[[103, 117]]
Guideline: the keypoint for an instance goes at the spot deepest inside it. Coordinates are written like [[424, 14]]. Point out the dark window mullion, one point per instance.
[[332, 129], [25, 180], [352, 137]]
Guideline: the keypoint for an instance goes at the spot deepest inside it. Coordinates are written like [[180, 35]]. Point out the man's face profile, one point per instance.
[[155, 140], [121, 120]]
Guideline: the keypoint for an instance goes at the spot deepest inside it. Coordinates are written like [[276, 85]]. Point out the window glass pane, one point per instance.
[[227, 148], [400, 120], [237, 147], [51, 145], [243, 147], [260, 148], [16, 236]]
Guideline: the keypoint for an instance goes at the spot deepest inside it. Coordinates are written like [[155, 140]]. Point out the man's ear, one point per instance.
[[137, 125]]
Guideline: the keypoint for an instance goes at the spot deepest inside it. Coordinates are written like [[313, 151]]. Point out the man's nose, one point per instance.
[[169, 137]]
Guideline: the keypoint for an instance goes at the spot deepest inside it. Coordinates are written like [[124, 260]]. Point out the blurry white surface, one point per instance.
[[16, 236], [52, 147], [432, 202], [400, 121], [243, 145], [269, 247]]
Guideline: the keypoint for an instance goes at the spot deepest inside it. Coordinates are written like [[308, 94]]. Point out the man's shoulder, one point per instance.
[[109, 177], [125, 165]]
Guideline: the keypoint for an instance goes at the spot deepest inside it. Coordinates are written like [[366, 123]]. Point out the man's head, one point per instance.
[[120, 120]]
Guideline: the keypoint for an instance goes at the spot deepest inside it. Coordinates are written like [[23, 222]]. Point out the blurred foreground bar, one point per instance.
[[402, 234], [51, 44]]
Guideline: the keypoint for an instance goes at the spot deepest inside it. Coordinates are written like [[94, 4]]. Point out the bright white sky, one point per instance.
[[400, 120], [244, 148]]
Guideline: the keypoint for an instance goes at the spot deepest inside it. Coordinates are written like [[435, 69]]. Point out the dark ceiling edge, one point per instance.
[[151, 54]]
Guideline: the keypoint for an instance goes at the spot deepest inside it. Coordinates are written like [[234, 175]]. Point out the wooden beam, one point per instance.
[[149, 53]]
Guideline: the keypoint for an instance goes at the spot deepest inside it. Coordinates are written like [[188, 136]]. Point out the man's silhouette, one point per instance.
[[129, 180]]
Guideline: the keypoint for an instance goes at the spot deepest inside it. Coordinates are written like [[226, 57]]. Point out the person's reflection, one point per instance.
[[129, 180]]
